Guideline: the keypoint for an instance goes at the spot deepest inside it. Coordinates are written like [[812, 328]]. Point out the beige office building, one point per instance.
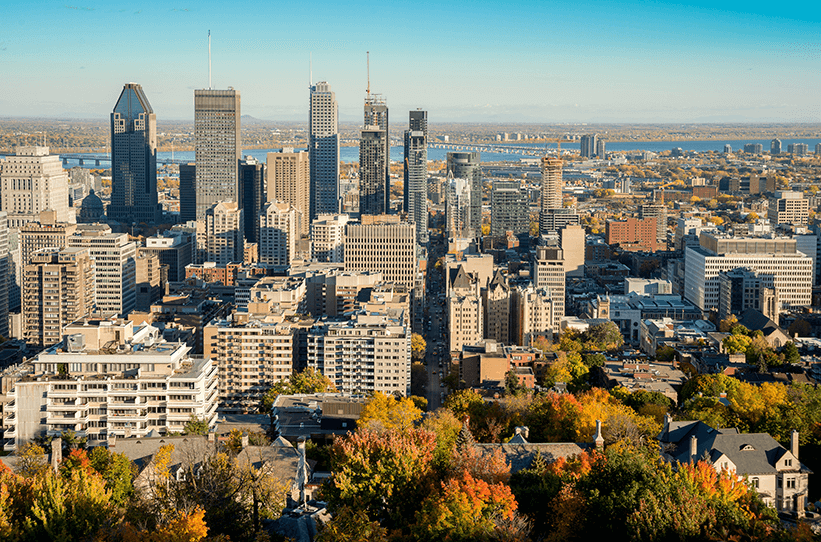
[[33, 181], [790, 208], [58, 288], [382, 243], [289, 181]]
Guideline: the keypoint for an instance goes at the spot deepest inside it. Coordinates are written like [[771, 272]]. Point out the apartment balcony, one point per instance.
[[71, 394]]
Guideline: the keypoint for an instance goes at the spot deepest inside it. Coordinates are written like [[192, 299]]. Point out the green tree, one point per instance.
[[790, 352], [195, 426], [461, 402], [117, 471], [308, 381]]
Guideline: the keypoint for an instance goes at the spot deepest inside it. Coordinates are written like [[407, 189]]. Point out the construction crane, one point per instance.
[[558, 143]]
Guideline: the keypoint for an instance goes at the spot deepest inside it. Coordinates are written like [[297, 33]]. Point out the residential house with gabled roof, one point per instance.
[[775, 472]]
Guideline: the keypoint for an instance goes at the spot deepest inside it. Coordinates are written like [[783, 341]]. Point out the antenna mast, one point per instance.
[[368, 90], [209, 60]]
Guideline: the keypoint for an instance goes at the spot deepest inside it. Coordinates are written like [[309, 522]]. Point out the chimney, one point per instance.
[[244, 441], [794, 443], [693, 448], [302, 472], [211, 437], [112, 441], [598, 439], [56, 453], [667, 420], [526, 432], [128, 430]]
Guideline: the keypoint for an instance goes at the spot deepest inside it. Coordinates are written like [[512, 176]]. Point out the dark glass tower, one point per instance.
[[376, 114], [416, 173], [134, 159], [373, 198], [252, 195], [188, 192]]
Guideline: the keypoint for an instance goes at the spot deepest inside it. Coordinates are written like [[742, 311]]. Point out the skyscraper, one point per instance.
[[466, 165], [775, 146], [217, 146], [31, 182], [323, 146], [252, 195], [224, 236], [289, 176], [509, 209], [551, 189], [376, 114], [188, 192], [134, 159], [588, 145], [416, 173], [374, 192]]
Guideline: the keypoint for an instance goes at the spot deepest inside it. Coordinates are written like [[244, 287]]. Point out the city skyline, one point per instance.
[[637, 62]]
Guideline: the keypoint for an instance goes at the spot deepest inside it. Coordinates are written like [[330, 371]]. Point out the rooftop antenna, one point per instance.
[[368, 90], [209, 60]]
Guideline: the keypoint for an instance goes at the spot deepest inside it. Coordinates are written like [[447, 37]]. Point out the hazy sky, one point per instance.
[[476, 61]]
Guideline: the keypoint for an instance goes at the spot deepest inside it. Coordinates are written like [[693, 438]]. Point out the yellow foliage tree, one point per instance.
[[387, 412]]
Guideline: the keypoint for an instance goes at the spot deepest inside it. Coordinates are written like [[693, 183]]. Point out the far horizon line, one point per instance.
[[486, 123]]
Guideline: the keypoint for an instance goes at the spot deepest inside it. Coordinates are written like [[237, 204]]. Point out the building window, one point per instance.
[[754, 483]]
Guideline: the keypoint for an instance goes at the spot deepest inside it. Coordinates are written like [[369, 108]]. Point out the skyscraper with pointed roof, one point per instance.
[[134, 159]]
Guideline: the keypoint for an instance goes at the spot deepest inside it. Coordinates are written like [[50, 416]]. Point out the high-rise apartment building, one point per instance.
[[509, 209], [552, 215], [217, 147], [382, 244], [374, 187], [465, 311], [252, 353], [365, 354], [188, 192], [115, 267], [776, 256], [798, 149], [278, 232], [753, 148], [328, 238], [252, 195], [289, 181], [31, 182], [224, 238], [45, 233], [467, 165], [588, 145], [323, 147], [497, 304], [134, 159], [58, 288], [600, 148], [788, 207], [111, 380], [775, 146], [416, 173]]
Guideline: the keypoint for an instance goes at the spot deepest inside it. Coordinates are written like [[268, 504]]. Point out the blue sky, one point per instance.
[[471, 61]]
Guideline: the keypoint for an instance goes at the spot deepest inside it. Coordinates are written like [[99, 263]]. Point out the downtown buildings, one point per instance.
[[416, 173]]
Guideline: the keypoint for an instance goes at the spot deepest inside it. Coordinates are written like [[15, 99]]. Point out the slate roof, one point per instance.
[[461, 279], [755, 320], [752, 453], [498, 281], [521, 456]]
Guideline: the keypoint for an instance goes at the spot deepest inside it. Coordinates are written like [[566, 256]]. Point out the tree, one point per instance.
[[790, 352], [461, 402], [606, 335], [800, 328], [752, 217], [117, 471], [388, 412], [418, 346], [384, 474], [512, 385], [419, 379], [728, 323], [195, 426]]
